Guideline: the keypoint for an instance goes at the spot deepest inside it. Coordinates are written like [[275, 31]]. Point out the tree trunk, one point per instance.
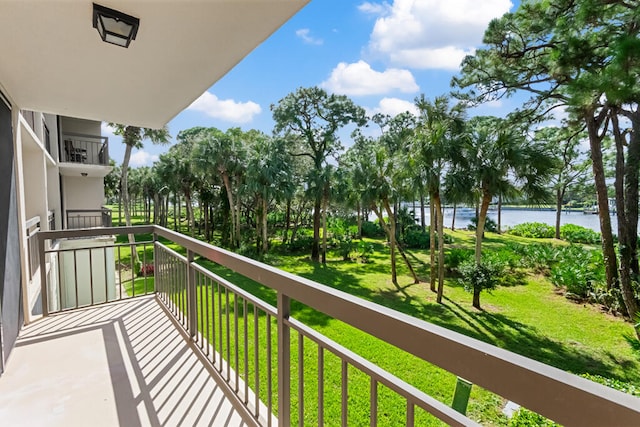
[[175, 211], [627, 235], [432, 245], [359, 220], [388, 231], [559, 198], [608, 249], [633, 165], [482, 218], [207, 228], [235, 237], [453, 219], [440, 219], [120, 206], [500, 214], [324, 229], [265, 241], [125, 200], [315, 246], [190, 216], [287, 223], [422, 211]]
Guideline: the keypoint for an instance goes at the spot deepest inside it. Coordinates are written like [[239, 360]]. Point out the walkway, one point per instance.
[[118, 364]]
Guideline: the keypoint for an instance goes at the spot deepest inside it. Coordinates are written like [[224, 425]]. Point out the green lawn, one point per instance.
[[529, 319]]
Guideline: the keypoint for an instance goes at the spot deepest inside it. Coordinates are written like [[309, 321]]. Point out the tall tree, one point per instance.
[[375, 174], [269, 177], [498, 158], [439, 132], [572, 165], [582, 54], [314, 117], [224, 153], [134, 137]]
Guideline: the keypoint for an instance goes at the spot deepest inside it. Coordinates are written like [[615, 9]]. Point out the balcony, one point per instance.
[[88, 218], [84, 149], [113, 338]]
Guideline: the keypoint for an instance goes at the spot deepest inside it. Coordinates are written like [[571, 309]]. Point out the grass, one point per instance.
[[529, 319]]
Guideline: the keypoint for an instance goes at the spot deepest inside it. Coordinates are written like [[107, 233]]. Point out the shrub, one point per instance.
[[577, 234], [536, 230], [526, 418], [365, 249], [342, 238], [456, 256], [485, 276], [301, 243], [489, 225], [416, 239], [579, 270], [537, 256], [503, 256], [372, 229], [146, 270]]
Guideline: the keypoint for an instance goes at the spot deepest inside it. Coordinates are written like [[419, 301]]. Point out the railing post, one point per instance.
[[43, 276], [284, 361], [192, 315], [156, 272]]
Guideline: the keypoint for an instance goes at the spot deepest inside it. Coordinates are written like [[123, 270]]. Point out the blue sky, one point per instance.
[[381, 54]]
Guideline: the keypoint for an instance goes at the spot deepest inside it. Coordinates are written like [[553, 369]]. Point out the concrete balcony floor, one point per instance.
[[123, 364]]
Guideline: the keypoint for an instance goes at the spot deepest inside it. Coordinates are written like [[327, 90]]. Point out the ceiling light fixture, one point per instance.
[[113, 26]]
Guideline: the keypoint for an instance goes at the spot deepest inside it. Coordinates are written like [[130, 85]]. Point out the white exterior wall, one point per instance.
[[82, 192]]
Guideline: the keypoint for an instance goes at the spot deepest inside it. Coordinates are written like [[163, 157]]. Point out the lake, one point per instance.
[[511, 217]]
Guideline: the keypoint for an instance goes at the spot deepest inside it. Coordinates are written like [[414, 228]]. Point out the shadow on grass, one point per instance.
[[493, 328], [526, 340]]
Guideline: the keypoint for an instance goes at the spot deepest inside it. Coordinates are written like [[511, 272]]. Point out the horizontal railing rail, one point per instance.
[[88, 218], [90, 266], [245, 340], [85, 149], [556, 394]]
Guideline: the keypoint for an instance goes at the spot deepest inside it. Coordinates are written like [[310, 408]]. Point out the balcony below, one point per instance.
[[84, 155], [123, 363]]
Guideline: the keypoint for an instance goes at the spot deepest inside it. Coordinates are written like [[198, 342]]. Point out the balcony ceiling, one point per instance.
[[53, 60]]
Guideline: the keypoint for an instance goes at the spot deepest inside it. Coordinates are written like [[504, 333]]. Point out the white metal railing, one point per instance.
[[85, 149], [88, 218], [32, 227], [245, 340]]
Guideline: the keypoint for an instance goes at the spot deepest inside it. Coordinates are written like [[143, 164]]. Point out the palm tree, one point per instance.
[[269, 177], [375, 174], [313, 117], [224, 153], [438, 133], [133, 137], [498, 159]]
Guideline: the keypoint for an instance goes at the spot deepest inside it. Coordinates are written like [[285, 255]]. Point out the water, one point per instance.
[[511, 217]]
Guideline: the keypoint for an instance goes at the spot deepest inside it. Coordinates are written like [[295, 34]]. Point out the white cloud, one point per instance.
[[225, 109], [447, 58], [431, 33], [393, 107], [142, 158], [305, 35], [360, 79], [106, 130], [374, 8]]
